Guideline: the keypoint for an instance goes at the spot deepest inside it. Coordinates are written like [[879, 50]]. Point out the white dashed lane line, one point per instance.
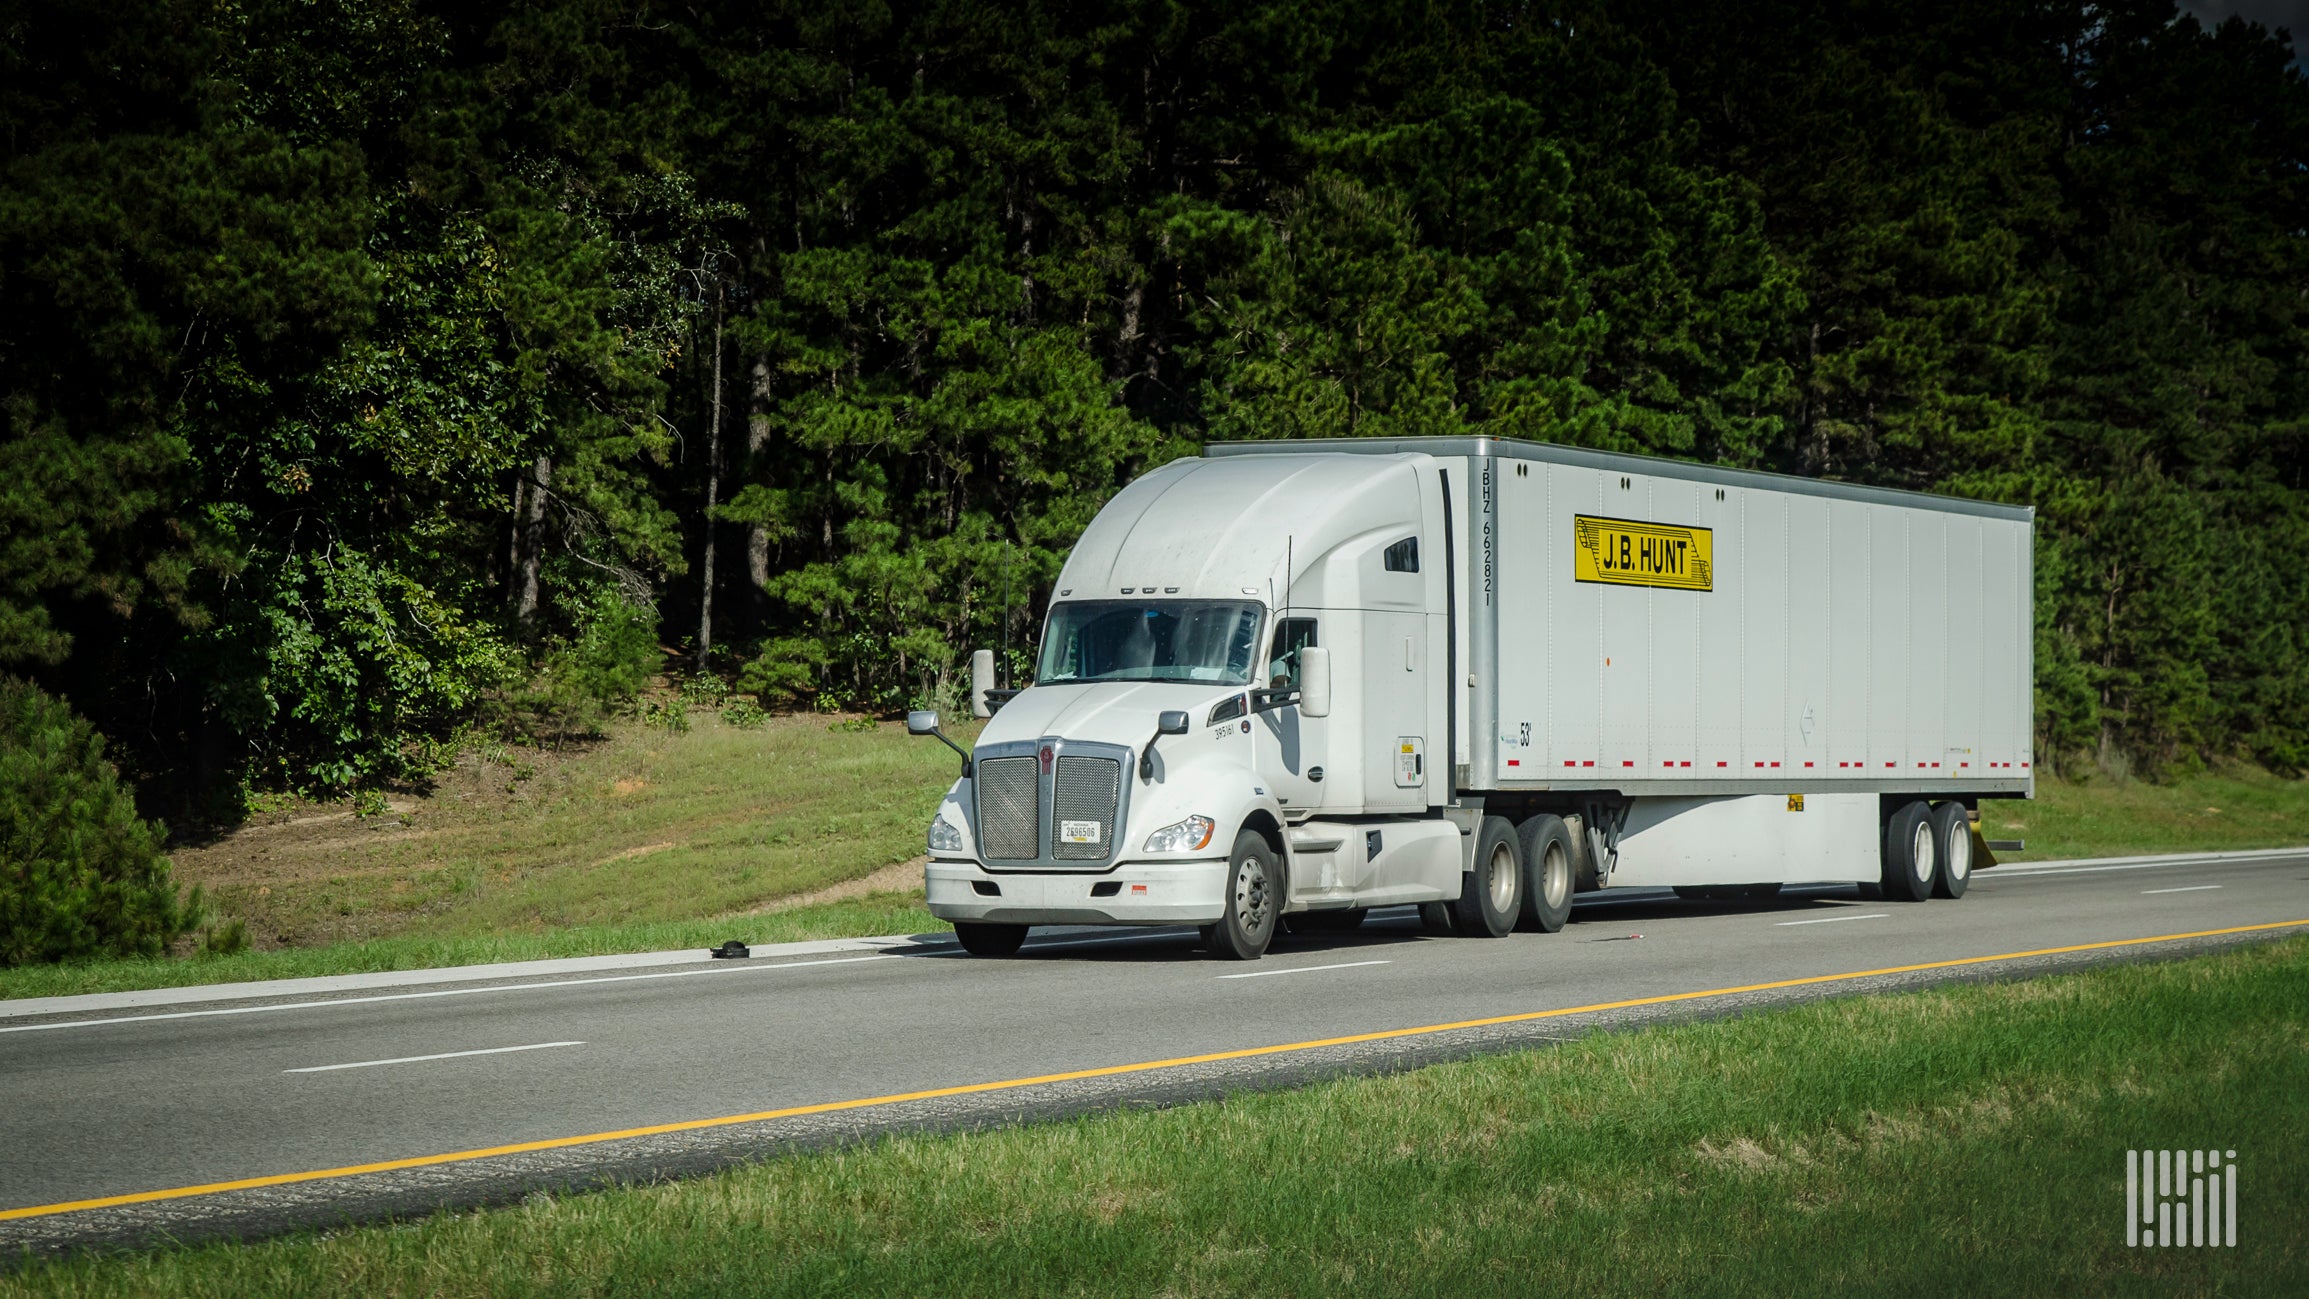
[[2193, 888], [419, 1059], [1829, 920], [1304, 969]]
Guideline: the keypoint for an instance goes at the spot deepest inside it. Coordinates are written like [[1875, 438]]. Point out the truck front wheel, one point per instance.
[[989, 940], [1491, 896], [1254, 903]]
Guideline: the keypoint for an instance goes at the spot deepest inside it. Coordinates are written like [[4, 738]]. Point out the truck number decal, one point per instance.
[[1627, 553]]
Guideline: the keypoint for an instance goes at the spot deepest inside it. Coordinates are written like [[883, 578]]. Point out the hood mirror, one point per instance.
[[1172, 721], [924, 721]]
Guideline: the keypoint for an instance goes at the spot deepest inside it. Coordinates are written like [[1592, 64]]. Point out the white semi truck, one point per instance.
[[1306, 679]]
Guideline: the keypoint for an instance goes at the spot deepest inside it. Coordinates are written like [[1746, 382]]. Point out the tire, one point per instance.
[[1254, 900], [1911, 858], [1550, 865], [1952, 840], [1491, 895], [1326, 922], [989, 940], [1437, 918]]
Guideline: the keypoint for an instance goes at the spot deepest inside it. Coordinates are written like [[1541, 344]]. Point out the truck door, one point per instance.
[[1395, 713], [1291, 746], [1398, 751]]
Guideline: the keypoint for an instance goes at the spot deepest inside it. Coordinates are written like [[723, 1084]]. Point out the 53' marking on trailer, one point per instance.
[[1625, 552]]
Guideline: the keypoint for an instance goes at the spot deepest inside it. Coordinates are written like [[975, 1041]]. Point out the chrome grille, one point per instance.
[[1085, 792], [1009, 809]]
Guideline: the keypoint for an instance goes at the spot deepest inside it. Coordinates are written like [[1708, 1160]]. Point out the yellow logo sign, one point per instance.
[[1643, 554]]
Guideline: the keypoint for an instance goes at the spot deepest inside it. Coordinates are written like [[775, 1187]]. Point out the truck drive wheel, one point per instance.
[[1911, 862], [1491, 894], [989, 940], [1952, 840], [1254, 900], [1548, 853]]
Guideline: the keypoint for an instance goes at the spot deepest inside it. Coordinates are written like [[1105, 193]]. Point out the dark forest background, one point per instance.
[[373, 370]]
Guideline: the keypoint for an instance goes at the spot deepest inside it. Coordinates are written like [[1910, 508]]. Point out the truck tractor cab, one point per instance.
[[1243, 659]]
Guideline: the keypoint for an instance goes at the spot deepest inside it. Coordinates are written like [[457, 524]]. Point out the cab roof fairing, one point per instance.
[[1212, 528]]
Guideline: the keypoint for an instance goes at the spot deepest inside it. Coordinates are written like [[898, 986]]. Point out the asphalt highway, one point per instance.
[[190, 1117]]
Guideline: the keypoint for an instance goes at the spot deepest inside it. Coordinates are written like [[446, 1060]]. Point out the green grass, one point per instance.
[[644, 827], [1965, 1140], [643, 841], [2103, 818], [872, 915]]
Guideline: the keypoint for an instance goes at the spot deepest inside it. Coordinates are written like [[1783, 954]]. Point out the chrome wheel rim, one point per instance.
[[1555, 876], [1922, 854], [1502, 882], [1253, 903]]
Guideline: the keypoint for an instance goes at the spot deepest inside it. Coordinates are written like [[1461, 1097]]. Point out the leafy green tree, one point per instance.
[[81, 874]]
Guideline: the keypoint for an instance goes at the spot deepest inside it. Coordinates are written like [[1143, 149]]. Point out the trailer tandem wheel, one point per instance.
[[1952, 839], [1911, 859]]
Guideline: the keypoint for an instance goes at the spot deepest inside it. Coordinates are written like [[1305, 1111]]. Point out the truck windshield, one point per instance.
[[1197, 641]]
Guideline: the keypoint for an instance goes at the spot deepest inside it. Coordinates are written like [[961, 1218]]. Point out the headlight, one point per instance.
[[1190, 835], [944, 837]]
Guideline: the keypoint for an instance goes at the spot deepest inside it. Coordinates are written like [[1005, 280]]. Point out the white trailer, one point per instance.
[[1305, 679]]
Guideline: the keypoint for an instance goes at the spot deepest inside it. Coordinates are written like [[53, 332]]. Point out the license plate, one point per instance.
[[1078, 831]]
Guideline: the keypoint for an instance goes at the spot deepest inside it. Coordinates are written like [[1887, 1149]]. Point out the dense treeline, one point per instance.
[[371, 365]]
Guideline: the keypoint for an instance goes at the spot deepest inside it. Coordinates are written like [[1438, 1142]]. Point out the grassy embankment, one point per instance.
[[643, 841], [2231, 810], [1965, 1140], [649, 840]]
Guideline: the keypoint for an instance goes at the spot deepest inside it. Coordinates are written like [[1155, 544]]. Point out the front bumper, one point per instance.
[[1144, 893]]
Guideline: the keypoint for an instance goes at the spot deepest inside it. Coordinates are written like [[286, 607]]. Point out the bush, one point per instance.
[[704, 691], [81, 874], [614, 656], [598, 672], [743, 713]]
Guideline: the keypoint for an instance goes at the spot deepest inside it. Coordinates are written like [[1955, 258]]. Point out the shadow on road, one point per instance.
[[1393, 926]]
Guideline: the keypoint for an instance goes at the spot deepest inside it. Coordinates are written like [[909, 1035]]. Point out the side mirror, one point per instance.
[[1172, 721], [924, 721], [1315, 682], [981, 681]]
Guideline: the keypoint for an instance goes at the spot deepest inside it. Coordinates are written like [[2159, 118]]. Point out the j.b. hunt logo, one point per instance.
[[2181, 1197]]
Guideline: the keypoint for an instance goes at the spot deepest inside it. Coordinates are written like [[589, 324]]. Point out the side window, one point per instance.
[[1291, 636], [1402, 557]]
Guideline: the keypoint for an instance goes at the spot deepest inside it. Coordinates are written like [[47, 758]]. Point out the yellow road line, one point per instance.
[[1108, 1071]]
